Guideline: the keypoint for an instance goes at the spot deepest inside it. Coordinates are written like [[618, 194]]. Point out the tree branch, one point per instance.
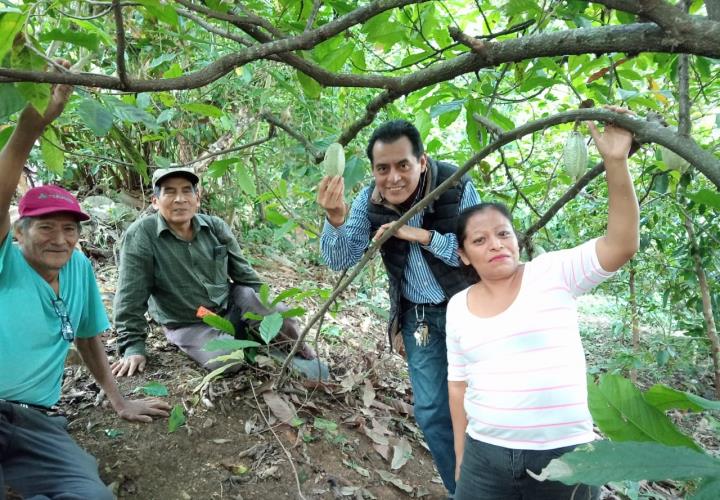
[[120, 36], [703, 38]]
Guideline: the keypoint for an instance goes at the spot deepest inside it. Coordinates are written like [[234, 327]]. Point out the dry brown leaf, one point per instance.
[[383, 450], [394, 480], [368, 393], [376, 436], [402, 451], [280, 408]]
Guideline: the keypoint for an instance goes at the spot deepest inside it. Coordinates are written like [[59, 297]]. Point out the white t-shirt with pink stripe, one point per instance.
[[525, 367]]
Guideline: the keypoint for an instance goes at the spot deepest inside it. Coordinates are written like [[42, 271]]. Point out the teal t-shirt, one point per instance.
[[32, 348]]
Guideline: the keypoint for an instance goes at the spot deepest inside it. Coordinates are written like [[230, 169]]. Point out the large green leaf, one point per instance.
[[155, 389], [52, 155], [38, 94], [88, 40], [604, 461], [11, 100], [165, 13], [219, 323], [311, 88], [229, 345], [244, 180], [665, 398], [10, 25], [622, 414], [97, 117], [203, 109], [270, 326], [706, 197]]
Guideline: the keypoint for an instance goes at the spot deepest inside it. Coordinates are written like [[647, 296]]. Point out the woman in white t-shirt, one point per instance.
[[516, 367]]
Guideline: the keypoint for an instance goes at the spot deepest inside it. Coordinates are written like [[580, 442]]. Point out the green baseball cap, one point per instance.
[[162, 173]]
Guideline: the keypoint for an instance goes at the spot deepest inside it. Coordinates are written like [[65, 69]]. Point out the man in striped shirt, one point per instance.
[[420, 259]]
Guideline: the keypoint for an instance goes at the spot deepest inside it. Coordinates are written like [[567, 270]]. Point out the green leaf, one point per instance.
[[270, 326], [173, 71], [203, 109], [252, 316], [5, 135], [244, 180], [325, 425], [706, 197], [294, 312], [97, 117], [229, 345], [218, 168], [164, 13], [604, 461], [88, 40], [666, 398], [311, 88], [264, 294], [11, 100], [219, 323], [286, 294], [152, 389], [177, 418], [113, 433], [52, 155], [622, 414], [132, 114], [10, 25]]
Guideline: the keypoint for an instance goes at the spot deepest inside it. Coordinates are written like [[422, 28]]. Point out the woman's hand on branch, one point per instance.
[[613, 143]]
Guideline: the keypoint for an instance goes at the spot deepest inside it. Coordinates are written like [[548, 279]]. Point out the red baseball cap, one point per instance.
[[45, 200]]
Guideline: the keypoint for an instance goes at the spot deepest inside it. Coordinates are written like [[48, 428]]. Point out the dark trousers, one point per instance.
[[427, 365], [40, 461], [490, 472]]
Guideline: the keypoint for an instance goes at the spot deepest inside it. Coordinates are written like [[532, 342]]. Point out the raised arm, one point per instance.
[[623, 233], [13, 156]]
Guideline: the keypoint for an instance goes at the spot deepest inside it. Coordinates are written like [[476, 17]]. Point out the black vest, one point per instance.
[[439, 216]]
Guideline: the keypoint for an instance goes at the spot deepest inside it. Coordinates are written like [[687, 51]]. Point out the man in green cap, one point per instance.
[[175, 261]]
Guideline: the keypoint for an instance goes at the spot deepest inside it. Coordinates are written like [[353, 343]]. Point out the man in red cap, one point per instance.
[[48, 299]]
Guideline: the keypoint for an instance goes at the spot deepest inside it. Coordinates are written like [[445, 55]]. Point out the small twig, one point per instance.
[[86, 18], [314, 231], [271, 135], [311, 19], [268, 117], [289, 456], [120, 36]]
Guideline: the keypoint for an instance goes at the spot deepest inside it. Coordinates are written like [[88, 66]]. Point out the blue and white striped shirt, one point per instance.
[[343, 247]]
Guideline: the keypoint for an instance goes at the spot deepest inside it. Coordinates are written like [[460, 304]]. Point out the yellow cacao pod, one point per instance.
[[673, 161], [334, 160], [575, 155]]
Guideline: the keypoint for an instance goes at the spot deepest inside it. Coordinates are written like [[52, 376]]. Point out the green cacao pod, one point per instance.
[[575, 155], [673, 161], [334, 160]]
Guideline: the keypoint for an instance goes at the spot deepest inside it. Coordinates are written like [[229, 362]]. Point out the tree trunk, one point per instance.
[[707, 304]]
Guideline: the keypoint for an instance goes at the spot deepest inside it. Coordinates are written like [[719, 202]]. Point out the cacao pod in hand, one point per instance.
[[334, 160], [575, 155]]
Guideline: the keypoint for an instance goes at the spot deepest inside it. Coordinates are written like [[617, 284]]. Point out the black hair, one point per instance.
[[461, 229], [392, 131], [461, 225]]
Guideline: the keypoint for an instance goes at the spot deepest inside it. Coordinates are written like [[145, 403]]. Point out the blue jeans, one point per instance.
[[490, 472], [40, 461], [428, 375]]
